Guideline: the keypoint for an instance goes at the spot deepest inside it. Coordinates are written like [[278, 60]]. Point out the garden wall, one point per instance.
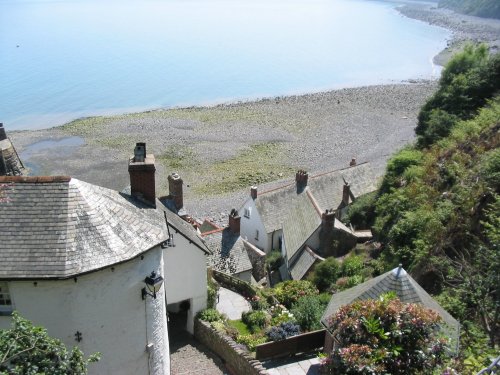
[[237, 359], [297, 344]]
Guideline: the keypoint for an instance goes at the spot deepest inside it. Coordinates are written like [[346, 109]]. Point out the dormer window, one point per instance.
[[247, 213], [257, 234], [5, 301]]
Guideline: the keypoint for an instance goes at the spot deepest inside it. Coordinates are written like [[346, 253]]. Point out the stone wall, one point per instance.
[[258, 259], [237, 359]]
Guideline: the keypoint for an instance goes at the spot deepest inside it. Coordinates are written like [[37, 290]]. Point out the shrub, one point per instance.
[[258, 303], [274, 259], [283, 331], [352, 265], [384, 336], [255, 319], [212, 291], [307, 312], [326, 273], [251, 341], [209, 315], [361, 212], [291, 291]]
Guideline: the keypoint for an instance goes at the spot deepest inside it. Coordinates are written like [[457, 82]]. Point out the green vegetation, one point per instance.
[[385, 337], [177, 158], [481, 8], [438, 211], [27, 349], [259, 164], [274, 259], [326, 274], [307, 311], [289, 292]]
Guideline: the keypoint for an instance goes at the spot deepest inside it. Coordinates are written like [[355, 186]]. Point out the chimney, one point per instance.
[[175, 190], [141, 168], [301, 180], [326, 234], [353, 162], [234, 221], [346, 193], [3, 135], [253, 192]]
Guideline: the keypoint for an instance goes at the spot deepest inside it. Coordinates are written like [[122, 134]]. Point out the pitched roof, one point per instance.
[[229, 254], [60, 227], [407, 290], [326, 188], [299, 224], [303, 263]]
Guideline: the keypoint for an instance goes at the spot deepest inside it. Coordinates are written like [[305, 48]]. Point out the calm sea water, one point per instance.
[[60, 60]]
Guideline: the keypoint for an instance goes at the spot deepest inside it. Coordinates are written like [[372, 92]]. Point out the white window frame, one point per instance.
[[5, 299], [248, 212]]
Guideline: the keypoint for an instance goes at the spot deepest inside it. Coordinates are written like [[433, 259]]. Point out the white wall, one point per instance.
[[185, 273], [249, 226], [106, 307]]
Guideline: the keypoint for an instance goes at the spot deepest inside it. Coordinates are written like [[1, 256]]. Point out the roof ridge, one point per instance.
[[34, 179]]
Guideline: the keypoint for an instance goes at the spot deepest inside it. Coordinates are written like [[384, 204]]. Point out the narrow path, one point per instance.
[[232, 304]]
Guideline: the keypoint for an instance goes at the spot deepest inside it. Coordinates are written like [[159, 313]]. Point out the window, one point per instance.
[[247, 212], [5, 302], [257, 234]]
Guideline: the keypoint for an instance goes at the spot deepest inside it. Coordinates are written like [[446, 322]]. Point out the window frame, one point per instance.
[[6, 305]]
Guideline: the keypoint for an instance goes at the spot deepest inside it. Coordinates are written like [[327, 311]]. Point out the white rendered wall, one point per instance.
[[185, 273], [106, 307], [249, 226]]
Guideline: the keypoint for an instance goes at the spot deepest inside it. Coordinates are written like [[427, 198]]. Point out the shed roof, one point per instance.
[[229, 254], [60, 227], [407, 290], [304, 262]]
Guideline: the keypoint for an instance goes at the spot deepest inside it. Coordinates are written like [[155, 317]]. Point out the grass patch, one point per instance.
[[259, 164], [240, 326], [178, 158]]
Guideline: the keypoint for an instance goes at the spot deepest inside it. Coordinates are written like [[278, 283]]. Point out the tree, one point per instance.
[[384, 336], [27, 349]]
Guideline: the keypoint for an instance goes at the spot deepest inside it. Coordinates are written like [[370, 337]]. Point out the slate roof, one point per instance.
[[407, 290], [326, 188], [229, 254], [303, 263], [299, 224], [60, 227]]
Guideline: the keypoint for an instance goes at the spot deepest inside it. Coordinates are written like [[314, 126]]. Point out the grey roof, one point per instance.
[[60, 227], [326, 188], [299, 224], [229, 254], [303, 263], [407, 290]]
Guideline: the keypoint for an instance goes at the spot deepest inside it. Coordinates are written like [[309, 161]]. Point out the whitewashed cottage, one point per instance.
[[83, 261]]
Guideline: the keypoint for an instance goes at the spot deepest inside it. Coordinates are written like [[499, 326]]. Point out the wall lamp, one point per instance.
[[153, 285]]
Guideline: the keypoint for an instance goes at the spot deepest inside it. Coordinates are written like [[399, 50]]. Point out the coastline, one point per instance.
[[221, 150]]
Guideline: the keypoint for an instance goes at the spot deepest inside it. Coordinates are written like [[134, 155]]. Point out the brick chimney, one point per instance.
[[253, 192], [141, 168], [301, 180], [326, 233], [175, 190], [353, 162], [3, 135], [234, 221]]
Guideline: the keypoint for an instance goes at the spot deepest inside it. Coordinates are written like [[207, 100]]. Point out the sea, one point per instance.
[[65, 59]]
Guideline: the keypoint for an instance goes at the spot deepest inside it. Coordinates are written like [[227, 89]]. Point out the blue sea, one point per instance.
[[65, 59]]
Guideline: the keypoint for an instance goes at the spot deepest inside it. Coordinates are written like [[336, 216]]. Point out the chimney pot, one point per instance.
[[253, 192], [353, 162], [3, 135]]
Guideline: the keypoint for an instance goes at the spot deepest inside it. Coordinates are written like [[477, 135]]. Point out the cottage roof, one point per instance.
[[407, 290], [304, 262], [326, 188], [299, 224], [229, 254], [60, 227]]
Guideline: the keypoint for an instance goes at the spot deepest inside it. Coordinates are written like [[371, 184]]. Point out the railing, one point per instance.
[[491, 368], [234, 284], [304, 343]]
